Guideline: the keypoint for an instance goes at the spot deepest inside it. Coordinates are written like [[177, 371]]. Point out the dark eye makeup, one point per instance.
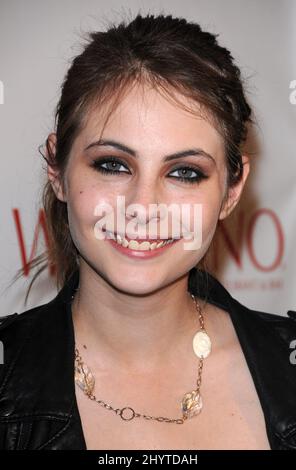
[[113, 166]]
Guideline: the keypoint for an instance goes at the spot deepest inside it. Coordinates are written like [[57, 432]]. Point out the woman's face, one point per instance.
[[151, 128]]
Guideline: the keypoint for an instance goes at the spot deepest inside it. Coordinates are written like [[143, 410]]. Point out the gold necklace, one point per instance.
[[191, 404]]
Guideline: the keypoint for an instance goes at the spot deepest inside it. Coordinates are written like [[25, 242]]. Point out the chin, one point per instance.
[[136, 287]]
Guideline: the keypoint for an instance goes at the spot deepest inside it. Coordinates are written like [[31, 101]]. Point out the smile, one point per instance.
[[140, 249]]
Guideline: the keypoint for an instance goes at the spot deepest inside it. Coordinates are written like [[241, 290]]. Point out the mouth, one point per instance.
[[144, 245]]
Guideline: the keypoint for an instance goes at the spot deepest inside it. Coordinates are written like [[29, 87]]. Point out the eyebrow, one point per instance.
[[185, 153]]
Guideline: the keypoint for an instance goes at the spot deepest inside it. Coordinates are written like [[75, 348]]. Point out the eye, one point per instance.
[[188, 174], [112, 165]]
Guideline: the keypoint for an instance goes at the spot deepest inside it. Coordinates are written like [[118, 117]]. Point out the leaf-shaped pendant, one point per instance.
[[191, 404], [84, 379]]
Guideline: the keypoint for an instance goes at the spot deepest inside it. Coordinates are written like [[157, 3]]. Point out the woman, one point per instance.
[[152, 116]]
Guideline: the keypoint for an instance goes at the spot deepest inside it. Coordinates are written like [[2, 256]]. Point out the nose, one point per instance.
[[142, 204]]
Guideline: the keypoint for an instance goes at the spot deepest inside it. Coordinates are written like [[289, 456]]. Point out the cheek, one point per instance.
[[206, 214], [83, 205]]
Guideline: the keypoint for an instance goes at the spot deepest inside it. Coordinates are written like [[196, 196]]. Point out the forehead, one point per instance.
[[147, 120]]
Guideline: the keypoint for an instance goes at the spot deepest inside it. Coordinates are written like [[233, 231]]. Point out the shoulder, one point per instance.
[[15, 329], [14, 322], [270, 330], [252, 324], [27, 337], [34, 342], [17, 323], [278, 325], [36, 389]]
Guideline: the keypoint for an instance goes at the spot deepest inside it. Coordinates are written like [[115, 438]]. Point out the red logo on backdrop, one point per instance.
[[40, 227], [234, 239], [243, 235]]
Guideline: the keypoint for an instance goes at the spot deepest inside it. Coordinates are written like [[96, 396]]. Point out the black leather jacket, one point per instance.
[[38, 408]]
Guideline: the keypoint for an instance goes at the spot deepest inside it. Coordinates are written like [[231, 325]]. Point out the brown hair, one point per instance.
[[170, 54]]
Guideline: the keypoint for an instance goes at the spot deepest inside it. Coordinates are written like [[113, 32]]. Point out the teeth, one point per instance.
[[124, 243], [159, 244], [144, 246], [135, 245]]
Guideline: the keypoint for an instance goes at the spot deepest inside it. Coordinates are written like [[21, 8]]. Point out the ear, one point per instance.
[[233, 194], [52, 172]]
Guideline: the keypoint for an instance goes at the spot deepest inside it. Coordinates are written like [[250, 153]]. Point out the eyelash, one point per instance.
[[97, 165]]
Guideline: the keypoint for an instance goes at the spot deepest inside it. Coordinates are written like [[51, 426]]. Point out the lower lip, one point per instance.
[[139, 253]]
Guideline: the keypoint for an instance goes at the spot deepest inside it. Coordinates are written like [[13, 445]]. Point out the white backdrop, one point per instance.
[[254, 254]]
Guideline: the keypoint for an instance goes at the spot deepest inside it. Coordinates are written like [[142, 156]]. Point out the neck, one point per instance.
[[140, 333]]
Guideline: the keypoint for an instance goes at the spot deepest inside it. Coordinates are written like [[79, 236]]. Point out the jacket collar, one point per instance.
[[48, 347]]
